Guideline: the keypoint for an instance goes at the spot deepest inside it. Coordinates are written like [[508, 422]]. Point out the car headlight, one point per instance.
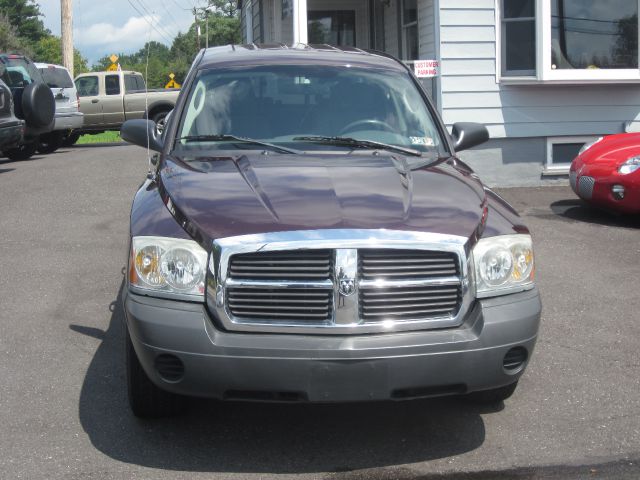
[[170, 267], [587, 146], [629, 166], [503, 264]]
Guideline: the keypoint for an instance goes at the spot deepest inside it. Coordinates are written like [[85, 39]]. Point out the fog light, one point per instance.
[[618, 192]]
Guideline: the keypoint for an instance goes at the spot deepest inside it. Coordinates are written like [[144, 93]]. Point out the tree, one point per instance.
[[25, 15], [224, 8], [49, 50], [9, 40]]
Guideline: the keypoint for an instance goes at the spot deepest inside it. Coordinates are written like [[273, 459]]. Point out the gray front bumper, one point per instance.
[[333, 368]]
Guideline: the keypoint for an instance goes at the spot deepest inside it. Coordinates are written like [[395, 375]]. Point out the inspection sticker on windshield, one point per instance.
[[426, 141]]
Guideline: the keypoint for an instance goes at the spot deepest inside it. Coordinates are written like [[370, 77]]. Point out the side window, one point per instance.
[[130, 84], [141, 85], [112, 84], [87, 86]]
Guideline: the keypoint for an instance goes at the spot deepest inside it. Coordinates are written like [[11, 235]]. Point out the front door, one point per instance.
[[88, 88]]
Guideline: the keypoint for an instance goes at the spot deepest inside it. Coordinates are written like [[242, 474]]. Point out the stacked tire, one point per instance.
[[38, 107]]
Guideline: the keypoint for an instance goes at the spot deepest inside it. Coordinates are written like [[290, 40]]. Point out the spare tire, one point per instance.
[[38, 105]]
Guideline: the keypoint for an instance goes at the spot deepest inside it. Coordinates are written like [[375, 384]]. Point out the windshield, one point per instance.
[[288, 105], [19, 72], [56, 77]]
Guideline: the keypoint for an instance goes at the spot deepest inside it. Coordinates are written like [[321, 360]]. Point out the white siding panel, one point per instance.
[[467, 34], [466, 4], [469, 17], [468, 67], [539, 115], [469, 50], [470, 83]]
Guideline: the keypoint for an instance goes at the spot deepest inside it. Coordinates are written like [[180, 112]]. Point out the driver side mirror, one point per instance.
[[466, 135], [143, 133]]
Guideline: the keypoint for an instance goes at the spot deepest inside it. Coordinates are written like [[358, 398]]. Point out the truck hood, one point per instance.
[[217, 197]]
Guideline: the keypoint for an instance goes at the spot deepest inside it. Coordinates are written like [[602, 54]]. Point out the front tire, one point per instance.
[[145, 398], [491, 397], [22, 152], [159, 119]]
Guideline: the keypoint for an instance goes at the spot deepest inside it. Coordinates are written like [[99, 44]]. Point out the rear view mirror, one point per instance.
[[466, 135], [143, 133]]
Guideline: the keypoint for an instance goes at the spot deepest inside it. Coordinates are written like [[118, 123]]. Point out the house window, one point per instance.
[[569, 41], [409, 21], [518, 37], [337, 27], [594, 34], [562, 150]]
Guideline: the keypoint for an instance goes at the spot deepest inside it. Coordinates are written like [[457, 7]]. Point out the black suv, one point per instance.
[[33, 102]]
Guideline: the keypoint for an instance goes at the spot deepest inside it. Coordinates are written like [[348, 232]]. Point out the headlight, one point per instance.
[[587, 146], [168, 267], [503, 265], [629, 166]]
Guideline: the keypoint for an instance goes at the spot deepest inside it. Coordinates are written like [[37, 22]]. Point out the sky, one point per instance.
[[103, 27]]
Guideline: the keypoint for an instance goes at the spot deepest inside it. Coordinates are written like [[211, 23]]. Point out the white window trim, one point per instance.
[[551, 141], [544, 72]]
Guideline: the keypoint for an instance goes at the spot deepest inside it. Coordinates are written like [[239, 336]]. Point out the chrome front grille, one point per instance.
[[585, 187], [339, 281], [573, 180]]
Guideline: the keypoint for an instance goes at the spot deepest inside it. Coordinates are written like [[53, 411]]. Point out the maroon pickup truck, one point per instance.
[[308, 234]]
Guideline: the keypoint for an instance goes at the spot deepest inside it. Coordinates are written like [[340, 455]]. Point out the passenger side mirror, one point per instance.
[[466, 135], [143, 133]]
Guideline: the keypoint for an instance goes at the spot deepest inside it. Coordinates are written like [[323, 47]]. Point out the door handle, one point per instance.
[[95, 100]]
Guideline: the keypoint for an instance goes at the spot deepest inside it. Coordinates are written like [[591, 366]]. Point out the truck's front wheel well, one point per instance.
[[159, 112]]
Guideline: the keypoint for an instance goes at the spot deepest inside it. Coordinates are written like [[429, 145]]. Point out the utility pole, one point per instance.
[[66, 9], [195, 17]]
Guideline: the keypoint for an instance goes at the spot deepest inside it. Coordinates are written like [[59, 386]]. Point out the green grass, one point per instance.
[[104, 137]]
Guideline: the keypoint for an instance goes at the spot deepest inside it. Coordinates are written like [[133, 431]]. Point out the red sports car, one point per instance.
[[606, 173]]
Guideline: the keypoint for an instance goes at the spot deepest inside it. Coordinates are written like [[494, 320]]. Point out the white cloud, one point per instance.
[[113, 36], [114, 26]]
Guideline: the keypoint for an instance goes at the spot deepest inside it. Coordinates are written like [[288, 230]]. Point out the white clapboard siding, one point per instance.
[[470, 91], [426, 27]]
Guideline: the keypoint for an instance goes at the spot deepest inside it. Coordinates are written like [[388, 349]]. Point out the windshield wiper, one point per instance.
[[355, 143], [233, 138]]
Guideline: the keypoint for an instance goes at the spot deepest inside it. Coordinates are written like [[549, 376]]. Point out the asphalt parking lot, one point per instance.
[[63, 408]]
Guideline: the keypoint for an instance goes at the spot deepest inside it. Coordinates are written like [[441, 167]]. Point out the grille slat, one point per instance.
[[304, 305], [406, 264], [287, 265]]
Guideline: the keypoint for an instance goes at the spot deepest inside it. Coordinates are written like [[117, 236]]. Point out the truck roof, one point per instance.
[[107, 73], [260, 54]]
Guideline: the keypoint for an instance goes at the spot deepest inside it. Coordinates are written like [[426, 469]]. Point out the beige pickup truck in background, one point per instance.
[[108, 99]]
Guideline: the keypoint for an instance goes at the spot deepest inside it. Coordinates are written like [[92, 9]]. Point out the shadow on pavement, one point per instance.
[[270, 438], [579, 211], [6, 170]]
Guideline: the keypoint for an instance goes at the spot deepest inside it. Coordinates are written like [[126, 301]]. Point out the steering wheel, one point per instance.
[[357, 123]]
